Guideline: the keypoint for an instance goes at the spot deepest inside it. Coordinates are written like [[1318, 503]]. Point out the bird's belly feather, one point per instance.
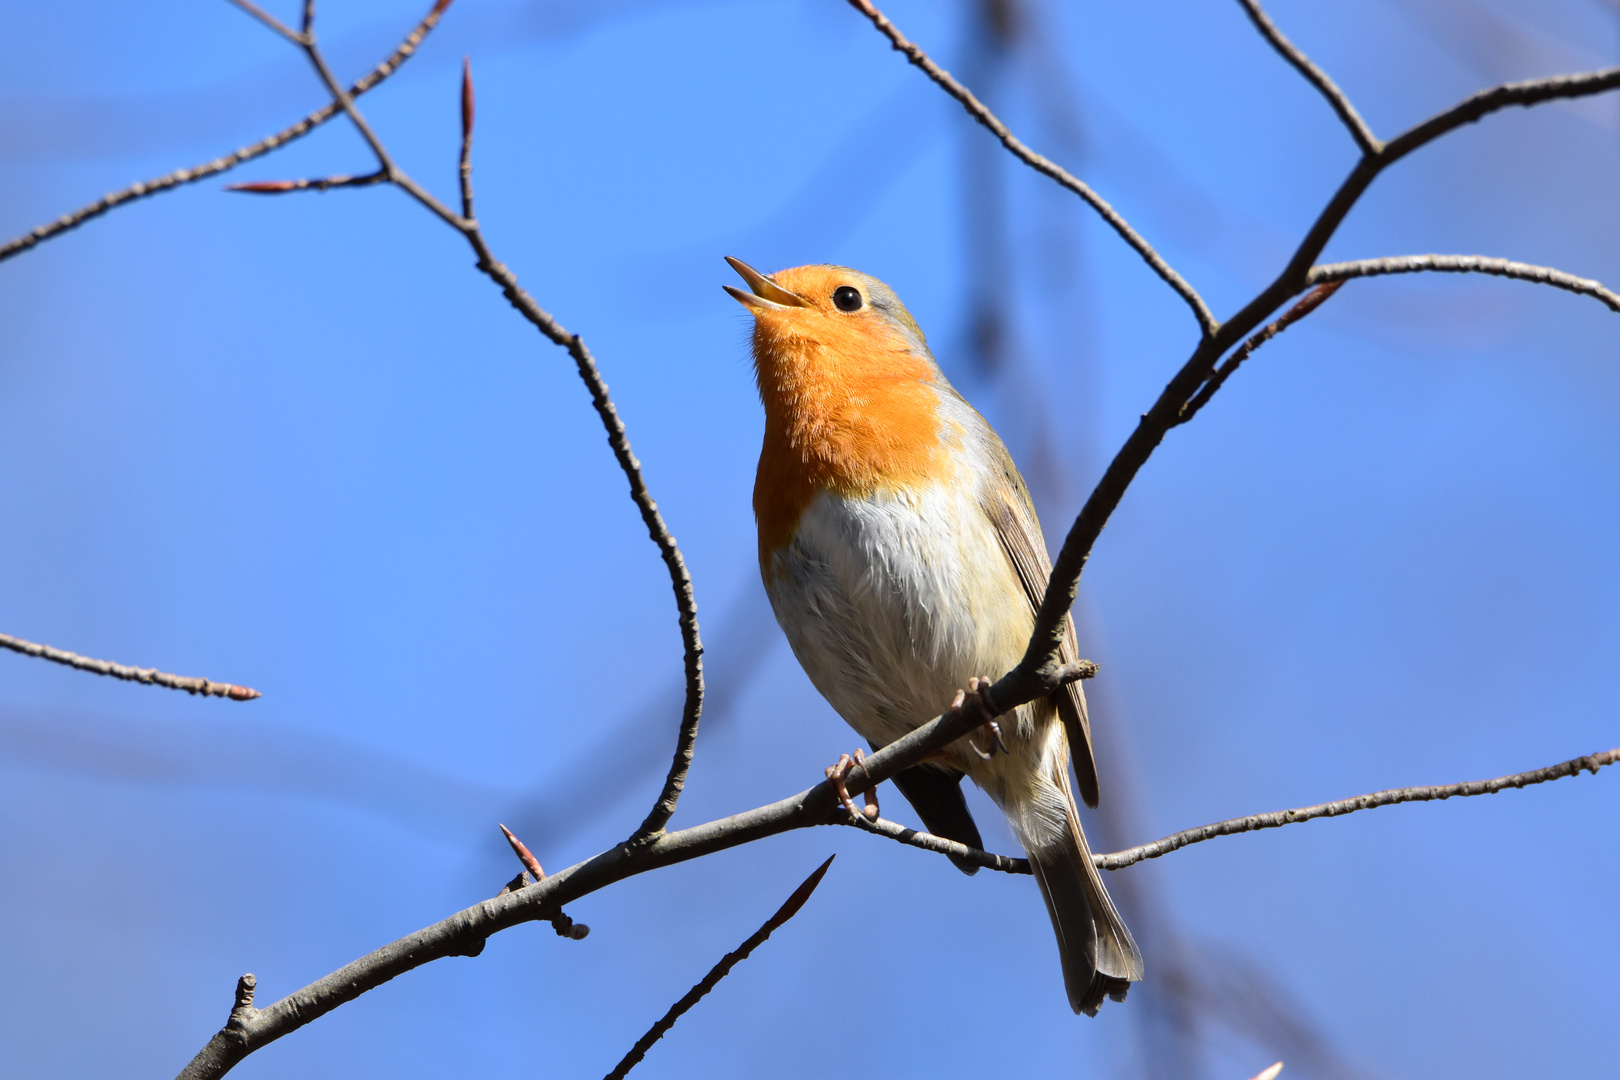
[[893, 601]]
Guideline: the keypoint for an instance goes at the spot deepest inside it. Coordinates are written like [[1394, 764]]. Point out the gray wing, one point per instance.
[[1013, 515]]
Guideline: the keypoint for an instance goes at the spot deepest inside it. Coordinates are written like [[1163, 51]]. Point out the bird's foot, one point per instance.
[[837, 772], [986, 707]]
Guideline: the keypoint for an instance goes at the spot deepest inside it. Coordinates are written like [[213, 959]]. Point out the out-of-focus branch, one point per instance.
[[1359, 131], [977, 109], [1465, 264], [150, 676], [680, 579], [1574, 767], [181, 177], [464, 933], [788, 909]]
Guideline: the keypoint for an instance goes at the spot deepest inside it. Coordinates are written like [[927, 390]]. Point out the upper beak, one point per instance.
[[767, 295]]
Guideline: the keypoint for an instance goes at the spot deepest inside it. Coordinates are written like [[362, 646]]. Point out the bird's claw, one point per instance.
[[837, 772], [980, 689]]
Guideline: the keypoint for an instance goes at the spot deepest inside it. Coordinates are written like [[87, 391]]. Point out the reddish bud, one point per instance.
[[466, 98], [527, 858]]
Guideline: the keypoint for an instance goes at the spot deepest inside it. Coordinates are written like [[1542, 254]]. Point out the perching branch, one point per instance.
[[150, 676], [1167, 411], [788, 909], [464, 933], [680, 580], [230, 161], [976, 109]]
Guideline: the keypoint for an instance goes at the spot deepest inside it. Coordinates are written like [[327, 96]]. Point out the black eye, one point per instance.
[[847, 298]]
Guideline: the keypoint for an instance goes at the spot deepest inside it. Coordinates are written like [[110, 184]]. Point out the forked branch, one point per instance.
[[464, 223], [977, 109], [181, 177]]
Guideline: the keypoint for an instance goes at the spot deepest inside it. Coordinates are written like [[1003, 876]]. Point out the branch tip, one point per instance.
[[530, 863], [466, 98]]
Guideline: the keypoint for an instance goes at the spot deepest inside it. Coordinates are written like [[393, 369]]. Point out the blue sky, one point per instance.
[[301, 444]]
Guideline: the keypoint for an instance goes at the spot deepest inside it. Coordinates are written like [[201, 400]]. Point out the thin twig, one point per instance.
[[680, 579], [150, 676], [180, 177], [1309, 303], [1574, 767], [270, 20], [464, 933], [893, 830], [466, 138], [718, 972], [283, 187], [1359, 131], [1232, 826], [977, 109], [1466, 264]]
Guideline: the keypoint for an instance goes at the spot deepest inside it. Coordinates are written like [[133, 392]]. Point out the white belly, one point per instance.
[[893, 602]]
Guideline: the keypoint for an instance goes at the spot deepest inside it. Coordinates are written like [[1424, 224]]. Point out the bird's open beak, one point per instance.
[[767, 295]]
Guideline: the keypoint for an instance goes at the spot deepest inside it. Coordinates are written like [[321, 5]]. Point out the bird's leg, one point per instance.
[[980, 689], [837, 772], [871, 809]]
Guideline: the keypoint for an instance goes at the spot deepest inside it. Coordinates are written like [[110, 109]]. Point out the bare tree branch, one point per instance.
[[976, 109], [181, 177], [270, 20], [1311, 301], [893, 830], [282, 187], [464, 933], [1574, 767], [1359, 131], [1233, 826], [1465, 264], [150, 676], [789, 909], [680, 579], [1201, 365]]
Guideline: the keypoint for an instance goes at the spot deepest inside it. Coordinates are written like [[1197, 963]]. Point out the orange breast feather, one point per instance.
[[849, 409]]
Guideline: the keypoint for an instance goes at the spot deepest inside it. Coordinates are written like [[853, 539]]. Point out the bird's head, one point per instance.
[[833, 318]]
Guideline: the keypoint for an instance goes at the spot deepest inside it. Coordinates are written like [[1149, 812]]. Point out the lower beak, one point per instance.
[[767, 295]]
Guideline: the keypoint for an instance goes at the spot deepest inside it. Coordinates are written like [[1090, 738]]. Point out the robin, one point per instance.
[[903, 560]]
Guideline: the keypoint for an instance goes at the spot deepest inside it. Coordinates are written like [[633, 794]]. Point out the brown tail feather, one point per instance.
[[1100, 958]]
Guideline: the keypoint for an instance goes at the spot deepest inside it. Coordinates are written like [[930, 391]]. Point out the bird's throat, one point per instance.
[[855, 418]]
